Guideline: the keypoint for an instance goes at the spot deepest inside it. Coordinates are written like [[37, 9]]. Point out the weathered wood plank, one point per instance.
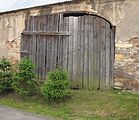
[[82, 51], [50, 17], [58, 52], [55, 51], [61, 42], [75, 39], [34, 41], [44, 24], [52, 52], [43, 39], [49, 52], [46, 46], [38, 26], [95, 54], [107, 32], [55, 40], [65, 44], [79, 55], [41, 57], [86, 37], [62, 51], [98, 52], [112, 55], [48, 49], [46, 56], [70, 63], [103, 55], [30, 41], [37, 52], [91, 33], [52, 28], [34, 44], [61, 23]]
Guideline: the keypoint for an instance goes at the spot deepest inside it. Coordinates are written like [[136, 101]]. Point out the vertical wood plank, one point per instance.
[[35, 43], [91, 33], [59, 50], [36, 57], [112, 58], [44, 48], [75, 39], [49, 43], [86, 60], [98, 52], [79, 55], [107, 32], [95, 54], [102, 55], [70, 59], [55, 51], [61, 42], [65, 44], [46, 56], [82, 50], [39, 20], [55, 40], [52, 28]]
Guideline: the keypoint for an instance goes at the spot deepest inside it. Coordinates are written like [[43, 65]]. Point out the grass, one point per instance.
[[84, 105]]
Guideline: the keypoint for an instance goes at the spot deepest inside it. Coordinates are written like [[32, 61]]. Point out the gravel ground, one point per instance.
[[7, 113]]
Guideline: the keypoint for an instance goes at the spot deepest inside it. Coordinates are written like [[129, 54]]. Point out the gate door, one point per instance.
[[81, 44]]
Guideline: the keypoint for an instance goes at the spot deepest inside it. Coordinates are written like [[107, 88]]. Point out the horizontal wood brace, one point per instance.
[[47, 33]]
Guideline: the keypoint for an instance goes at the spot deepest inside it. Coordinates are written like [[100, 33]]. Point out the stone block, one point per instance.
[[131, 85], [124, 45], [135, 41], [124, 75], [119, 57]]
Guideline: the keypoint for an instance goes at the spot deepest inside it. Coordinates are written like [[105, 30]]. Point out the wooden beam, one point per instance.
[[47, 33]]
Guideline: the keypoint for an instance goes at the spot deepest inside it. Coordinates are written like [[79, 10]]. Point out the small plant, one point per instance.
[[23, 82], [5, 76], [55, 88]]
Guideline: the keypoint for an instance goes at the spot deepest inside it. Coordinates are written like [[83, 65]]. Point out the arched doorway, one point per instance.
[[83, 44]]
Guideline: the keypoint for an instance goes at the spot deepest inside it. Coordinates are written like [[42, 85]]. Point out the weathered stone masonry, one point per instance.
[[121, 13]]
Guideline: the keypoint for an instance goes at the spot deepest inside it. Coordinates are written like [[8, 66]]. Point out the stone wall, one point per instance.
[[124, 15], [127, 63], [121, 13]]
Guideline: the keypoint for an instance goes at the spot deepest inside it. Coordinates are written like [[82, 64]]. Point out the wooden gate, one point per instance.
[[82, 44]]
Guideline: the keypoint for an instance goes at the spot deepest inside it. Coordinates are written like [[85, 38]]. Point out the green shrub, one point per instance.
[[56, 86], [23, 80], [5, 76]]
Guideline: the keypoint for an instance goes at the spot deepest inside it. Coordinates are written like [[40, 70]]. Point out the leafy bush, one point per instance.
[[55, 88], [23, 82], [5, 76]]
